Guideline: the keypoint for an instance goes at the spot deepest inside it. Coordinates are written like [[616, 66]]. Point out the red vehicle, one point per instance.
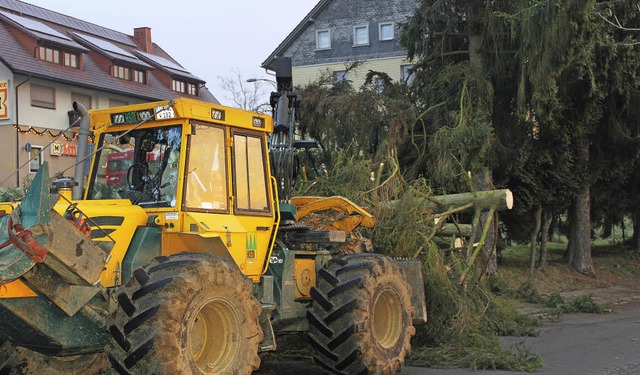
[[118, 164]]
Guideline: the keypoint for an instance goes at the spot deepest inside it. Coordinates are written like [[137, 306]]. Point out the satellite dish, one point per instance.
[[27, 147]]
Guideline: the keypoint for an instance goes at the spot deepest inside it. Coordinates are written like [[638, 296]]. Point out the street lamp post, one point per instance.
[[252, 80]]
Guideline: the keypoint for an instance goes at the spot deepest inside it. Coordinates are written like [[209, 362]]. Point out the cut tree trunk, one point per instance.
[[483, 200], [500, 200], [450, 229]]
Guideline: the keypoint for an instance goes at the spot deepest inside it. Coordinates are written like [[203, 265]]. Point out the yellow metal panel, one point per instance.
[[16, 289], [201, 111], [132, 216], [184, 108], [246, 238], [7, 208], [305, 277]]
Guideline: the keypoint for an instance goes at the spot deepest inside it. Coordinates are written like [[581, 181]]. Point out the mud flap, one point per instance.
[[412, 270]]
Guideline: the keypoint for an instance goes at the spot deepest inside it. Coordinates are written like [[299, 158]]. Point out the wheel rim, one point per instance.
[[387, 318], [214, 336]]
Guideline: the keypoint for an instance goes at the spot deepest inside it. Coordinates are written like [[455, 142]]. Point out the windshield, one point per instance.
[[141, 166]]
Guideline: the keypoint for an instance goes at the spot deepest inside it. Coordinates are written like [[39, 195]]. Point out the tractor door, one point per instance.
[[227, 191]]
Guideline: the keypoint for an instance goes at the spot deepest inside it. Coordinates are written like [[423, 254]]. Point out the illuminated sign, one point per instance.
[[58, 149], [4, 96]]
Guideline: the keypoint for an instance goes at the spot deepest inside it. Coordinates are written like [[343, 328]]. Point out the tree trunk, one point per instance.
[[534, 239], [547, 217], [580, 237], [479, 200], [636, 230], [572, 229], [483, 181]]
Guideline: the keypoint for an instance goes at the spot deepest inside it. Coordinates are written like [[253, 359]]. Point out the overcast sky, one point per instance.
[[208, 37]]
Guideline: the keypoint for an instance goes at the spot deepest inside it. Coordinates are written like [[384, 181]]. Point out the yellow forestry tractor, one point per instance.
[[183, 254]]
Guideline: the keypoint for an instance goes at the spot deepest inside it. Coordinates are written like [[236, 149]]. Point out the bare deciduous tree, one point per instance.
[[252, 96]]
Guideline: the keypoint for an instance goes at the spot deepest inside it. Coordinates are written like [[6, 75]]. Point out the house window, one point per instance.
[[340, 75], [35, 158], [407, 74], [122, 72], [43, 97], [361, 36], [323, 39], [139, 76], [379, 85], [192, 89], [55, 56], [178, 86], [49, 55], [385, 31], [70, 59]]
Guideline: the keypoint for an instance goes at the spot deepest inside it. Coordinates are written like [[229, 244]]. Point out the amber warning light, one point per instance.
[[258, 122]]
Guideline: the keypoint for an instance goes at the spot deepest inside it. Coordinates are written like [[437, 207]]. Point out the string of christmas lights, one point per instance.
[[32, 130]]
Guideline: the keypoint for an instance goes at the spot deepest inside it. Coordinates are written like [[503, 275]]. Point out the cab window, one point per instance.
[[139, 165], [206, 182], [249, 172]]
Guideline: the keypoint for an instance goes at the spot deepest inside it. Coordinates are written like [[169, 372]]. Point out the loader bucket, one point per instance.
[[20, 250]]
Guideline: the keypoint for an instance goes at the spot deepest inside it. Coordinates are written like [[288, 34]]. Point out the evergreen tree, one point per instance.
[[527, 89]]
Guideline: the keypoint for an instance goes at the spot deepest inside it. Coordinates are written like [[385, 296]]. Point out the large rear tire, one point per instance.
[[186, 314], [361, 317]]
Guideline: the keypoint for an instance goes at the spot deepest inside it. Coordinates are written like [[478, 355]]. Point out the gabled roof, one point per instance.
[[77, 35], [111, 50], [40, 31], [297, 31], [168, 66]]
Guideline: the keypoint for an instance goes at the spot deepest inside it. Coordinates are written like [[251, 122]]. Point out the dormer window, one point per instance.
[[185, 87], [122, 72], [139, 76], [130, 74], [57, 56]]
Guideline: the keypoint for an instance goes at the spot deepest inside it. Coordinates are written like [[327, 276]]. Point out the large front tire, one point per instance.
[[361, 317], [186, 314]]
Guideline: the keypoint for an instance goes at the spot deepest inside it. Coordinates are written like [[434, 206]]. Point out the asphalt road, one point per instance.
[[578, 344]]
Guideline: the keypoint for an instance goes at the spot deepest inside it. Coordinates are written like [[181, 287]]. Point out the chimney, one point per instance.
[[142, 36]]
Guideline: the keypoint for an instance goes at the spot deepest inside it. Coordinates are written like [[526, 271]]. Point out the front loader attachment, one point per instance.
[[49, 271]]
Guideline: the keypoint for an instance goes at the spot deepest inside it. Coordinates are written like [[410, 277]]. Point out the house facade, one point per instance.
[[49, 60], [337, 33]]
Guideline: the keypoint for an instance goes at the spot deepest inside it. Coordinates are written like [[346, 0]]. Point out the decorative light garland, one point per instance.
[[32, 130]]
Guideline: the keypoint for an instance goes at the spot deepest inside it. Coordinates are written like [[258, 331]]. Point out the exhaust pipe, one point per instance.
[[83, 141]]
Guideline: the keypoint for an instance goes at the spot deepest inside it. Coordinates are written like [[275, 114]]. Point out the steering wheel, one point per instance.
[[144, 176]]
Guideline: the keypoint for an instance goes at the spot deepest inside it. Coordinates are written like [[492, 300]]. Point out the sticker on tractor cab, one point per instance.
[[131, 117], [164, 113], [171, 216], [252, 246], [217, 114]]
